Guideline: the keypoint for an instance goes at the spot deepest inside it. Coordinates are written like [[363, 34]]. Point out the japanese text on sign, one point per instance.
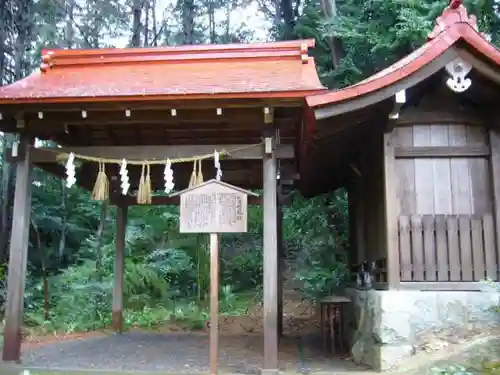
[[213, 212]]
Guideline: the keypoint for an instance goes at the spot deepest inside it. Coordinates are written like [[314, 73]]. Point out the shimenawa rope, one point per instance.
[[144, 193]]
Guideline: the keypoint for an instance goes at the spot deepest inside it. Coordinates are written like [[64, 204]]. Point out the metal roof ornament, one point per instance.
[[458, 70], [46, 61]]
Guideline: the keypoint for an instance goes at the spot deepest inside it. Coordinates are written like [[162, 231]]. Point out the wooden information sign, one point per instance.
[[213, 207]]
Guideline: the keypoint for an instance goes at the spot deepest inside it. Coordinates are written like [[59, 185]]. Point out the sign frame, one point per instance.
[[213, 207]]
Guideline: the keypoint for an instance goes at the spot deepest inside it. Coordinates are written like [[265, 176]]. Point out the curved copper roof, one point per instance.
[[264, 70], [452, 26]]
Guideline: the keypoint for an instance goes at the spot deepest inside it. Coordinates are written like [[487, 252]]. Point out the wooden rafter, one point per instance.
[[164, 116], [160, 105]]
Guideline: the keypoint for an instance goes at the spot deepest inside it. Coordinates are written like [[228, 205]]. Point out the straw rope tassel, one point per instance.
[[192, 179], [140, 189], [101, 186], [199, 177], [144, 193], [148, 191]]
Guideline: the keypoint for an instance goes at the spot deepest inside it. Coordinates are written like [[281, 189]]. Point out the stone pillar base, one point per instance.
[[395, 325]]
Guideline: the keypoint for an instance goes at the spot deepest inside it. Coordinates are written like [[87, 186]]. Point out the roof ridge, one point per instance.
[[288, 49], [454, 13]]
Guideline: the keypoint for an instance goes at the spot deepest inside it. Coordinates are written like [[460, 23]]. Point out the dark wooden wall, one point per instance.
[[366, 208]]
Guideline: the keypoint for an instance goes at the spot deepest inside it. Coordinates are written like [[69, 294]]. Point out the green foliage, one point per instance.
[[450, 370], [492, 368], [322, 279], [167, 273], [79, 302], [495, 286], [377, 33], [245, 270], [318, 240]]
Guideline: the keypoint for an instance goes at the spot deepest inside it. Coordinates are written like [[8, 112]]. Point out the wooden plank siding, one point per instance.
[[446, 248], [443, 185], [446, 225]]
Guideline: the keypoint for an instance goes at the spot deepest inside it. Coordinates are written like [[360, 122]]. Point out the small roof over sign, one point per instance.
[[215, 182]]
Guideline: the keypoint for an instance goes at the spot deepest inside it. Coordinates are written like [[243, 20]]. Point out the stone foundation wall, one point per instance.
[[394, 325]]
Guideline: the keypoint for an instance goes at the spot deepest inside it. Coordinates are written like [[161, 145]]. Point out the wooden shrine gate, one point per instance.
[[142, 112]]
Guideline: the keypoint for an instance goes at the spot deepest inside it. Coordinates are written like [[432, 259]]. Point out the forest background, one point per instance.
[[71, 251]]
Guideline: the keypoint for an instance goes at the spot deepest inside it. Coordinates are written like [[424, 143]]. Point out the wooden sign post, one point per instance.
[[214, 207], [214, 302]]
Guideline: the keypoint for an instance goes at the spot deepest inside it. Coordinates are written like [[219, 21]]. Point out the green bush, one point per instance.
[[167, 274], [450, 370]]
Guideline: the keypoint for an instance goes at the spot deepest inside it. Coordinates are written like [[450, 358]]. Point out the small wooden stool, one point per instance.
[[332, 326]]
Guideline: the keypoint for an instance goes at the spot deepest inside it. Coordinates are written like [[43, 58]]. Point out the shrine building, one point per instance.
[[417, 146]]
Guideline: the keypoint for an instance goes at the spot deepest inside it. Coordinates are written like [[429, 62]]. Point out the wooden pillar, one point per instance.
[[270, 259], [18, 253], [391, 210], [351, 213], [360, 222], [121, 225], [495, 178], [281, 260], [214, 303]]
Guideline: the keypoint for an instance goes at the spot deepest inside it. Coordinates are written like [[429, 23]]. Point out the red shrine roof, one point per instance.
[[452, 26], [264, 70]]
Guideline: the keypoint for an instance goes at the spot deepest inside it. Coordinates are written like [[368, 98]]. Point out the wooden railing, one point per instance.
[[447, 248]]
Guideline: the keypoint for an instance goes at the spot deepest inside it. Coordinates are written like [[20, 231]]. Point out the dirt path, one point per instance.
[[180, 353], [171, 349]]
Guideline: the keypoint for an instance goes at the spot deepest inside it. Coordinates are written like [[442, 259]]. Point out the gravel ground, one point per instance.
[[180, 353]]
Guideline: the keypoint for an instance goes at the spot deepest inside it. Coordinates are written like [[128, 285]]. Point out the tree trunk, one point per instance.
[[188, 12], [147, 6], [211, 20], [288, 19], [3, 37], [228, 21], [153, 19], [99, 255], [99, 240], [135, 41], [62, 238], [46, 295], [330, 11], [277, 14], [7, 192], [20, 48], [69, 32]]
